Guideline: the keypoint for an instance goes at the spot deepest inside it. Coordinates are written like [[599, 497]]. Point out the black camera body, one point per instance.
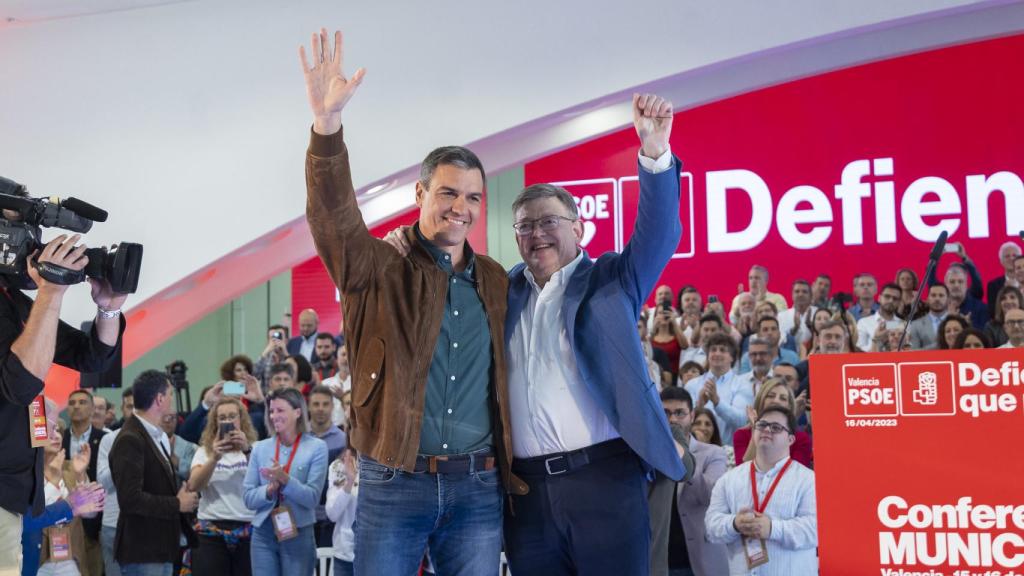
[[20, 237]]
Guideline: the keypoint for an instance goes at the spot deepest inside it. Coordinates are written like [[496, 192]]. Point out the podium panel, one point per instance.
[[917, 462]]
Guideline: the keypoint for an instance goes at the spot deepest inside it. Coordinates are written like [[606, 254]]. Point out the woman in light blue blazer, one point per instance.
[[283, 484]]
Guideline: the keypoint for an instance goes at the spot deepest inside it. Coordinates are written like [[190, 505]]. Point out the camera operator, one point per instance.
[[32, 337]]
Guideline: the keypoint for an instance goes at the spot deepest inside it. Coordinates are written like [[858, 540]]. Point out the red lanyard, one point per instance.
[[760, 507], [295, 448]]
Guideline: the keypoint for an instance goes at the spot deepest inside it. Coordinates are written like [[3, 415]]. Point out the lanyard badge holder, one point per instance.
[[281, 516], [756, 549], [60, 542]]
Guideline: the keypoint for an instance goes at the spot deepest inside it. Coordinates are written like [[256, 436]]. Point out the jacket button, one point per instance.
[[373, 375]]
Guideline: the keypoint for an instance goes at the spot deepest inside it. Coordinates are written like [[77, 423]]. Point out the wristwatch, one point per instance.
[[108, 314]]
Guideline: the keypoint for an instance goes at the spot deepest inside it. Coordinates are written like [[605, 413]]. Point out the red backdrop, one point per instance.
[[854, 170], [896, 435]]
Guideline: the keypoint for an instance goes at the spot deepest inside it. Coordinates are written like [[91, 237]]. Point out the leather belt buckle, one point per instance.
[[565, 465]]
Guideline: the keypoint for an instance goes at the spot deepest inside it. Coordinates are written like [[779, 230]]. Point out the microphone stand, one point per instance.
[[932, 263]]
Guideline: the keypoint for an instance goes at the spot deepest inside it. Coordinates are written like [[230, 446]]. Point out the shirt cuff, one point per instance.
[[664, 162]]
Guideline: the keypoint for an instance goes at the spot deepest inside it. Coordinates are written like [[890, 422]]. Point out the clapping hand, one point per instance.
[[87, 500], [275, 474]]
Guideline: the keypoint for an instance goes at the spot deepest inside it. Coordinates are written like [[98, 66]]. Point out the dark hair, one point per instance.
[[279, 327], [712, 318], [939, 285], [891, 286], [940, 334], [723, 340], [128, 393], [1007, 289], [456, 156], [790, 419], [691, 364], [81, 391], [688, 289], [304, 371], [321, 389], [825, 276], [801, 282], [325, 336], [227, 369], [961, 338], [281, 367], [294, 399], [767, 318], [540, 191], [147, 386], [677, 393], [716, 434]]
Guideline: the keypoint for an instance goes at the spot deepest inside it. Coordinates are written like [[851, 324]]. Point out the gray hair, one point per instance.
[[760, 269], [757, 340], [541, 191], [457, 156]]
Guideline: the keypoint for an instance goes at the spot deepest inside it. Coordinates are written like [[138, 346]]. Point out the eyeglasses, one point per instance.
[[770, 427], [681, 413], [546, 223], [1014, 322]]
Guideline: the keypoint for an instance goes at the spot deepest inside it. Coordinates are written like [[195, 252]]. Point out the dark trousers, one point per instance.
[[591, 521], [215, 558]]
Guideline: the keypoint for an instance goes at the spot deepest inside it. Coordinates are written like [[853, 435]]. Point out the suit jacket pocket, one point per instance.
[[370, 374]]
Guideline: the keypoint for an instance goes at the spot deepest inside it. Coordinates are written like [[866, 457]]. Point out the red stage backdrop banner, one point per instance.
[[856, 170], [312, 286], [914, 462]]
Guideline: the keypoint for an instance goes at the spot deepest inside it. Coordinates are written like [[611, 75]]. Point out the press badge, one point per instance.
[[37, 430], [60, 543], [284, 524], [756, 551]]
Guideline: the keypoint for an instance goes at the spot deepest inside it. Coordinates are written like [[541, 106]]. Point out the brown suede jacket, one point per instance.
[[392, 307]]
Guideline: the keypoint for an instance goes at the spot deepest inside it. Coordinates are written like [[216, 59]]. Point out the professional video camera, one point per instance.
[[20, 237]]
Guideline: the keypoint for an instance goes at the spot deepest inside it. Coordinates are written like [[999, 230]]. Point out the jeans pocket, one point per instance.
[[370, 472], [489, 478]]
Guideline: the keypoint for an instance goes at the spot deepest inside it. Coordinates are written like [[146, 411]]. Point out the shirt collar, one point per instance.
[[155, 432], [774, 469], [442, 258], [561, 277]]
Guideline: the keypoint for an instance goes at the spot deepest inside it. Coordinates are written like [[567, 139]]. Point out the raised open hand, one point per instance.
[[326, 85], [652, 118]]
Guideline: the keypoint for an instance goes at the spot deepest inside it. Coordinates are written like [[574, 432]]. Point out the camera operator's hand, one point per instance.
[[104, 296], [61, 251]]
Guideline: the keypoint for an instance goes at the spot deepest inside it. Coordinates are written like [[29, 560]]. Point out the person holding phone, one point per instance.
[[218, 470]]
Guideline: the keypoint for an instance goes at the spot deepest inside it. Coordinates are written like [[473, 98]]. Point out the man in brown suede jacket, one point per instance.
[[426, 342]]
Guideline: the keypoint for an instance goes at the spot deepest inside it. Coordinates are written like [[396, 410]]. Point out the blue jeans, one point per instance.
[[400, 514], [273, 558], [110, 566], [341, 568], [147, 569]]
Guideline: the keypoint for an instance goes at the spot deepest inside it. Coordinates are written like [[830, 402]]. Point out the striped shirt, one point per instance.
[[792, 545]]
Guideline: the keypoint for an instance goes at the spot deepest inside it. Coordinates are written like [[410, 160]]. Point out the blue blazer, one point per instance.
[[602, 305], [32, 533], [301, 493]]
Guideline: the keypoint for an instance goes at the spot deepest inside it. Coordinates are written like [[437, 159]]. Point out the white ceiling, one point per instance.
[[20, 12]]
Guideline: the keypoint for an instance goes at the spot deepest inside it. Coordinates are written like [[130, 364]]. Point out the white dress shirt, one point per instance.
[[307, 346], [789, 318], [552, 410], [338, 412], [111, 509], [76, 442], [792, 508], [866, 329], [734, 396], [160, 437]]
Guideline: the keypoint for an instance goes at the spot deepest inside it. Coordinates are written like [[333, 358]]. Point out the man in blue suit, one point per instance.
[[588, 427]]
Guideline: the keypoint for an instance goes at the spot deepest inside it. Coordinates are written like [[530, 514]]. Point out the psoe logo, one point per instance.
[[927, 389], [869, 390]]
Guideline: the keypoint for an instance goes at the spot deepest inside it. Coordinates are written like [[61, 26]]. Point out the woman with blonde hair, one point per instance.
[[773, 392], [218, 471]]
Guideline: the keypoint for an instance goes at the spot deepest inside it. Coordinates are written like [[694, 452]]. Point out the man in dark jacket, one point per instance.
[[152, 519]]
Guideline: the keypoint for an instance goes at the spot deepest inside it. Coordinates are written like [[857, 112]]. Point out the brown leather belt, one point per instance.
[[455, 463]]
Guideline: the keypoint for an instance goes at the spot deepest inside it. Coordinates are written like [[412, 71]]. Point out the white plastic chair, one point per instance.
[[324, 558]]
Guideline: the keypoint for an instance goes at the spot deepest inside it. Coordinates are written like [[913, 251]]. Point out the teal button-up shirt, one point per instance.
[[457, 411]]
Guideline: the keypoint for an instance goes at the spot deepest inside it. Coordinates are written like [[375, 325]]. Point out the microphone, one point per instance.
[[86, 210], [940, 245]]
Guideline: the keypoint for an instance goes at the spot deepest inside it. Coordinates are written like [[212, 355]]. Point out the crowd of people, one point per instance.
[[519, 407]]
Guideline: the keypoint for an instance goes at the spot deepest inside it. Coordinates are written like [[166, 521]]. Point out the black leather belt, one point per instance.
[[555, 464], [455, 463]]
